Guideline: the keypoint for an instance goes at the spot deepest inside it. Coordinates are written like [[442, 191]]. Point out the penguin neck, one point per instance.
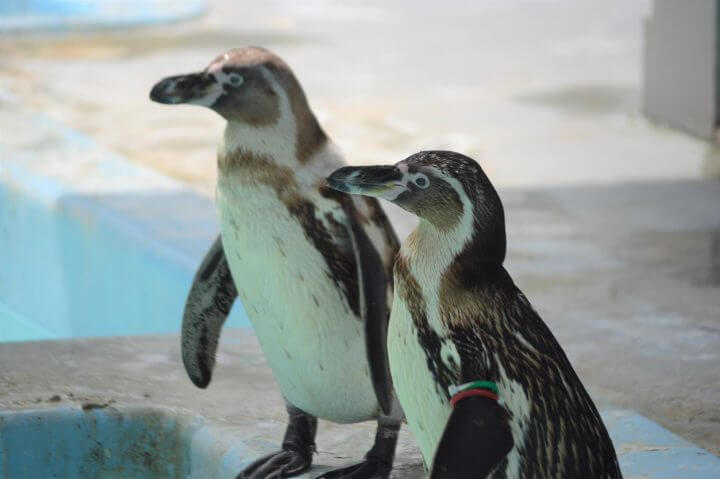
[[430, 248], [276, 142], [468, 249]]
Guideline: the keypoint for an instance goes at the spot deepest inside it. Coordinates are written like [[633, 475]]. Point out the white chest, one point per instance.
[[311, 339], [425, 410]]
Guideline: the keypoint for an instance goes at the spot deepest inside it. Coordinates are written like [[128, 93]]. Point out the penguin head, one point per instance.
[[446, 190], [242, 85]]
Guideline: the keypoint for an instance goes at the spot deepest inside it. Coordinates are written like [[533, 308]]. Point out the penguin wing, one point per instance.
[[372, 285], [207, 307], [477, 437]]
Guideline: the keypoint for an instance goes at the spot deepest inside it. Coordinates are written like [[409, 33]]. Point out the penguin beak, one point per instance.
[[196, 88], [381, 181]]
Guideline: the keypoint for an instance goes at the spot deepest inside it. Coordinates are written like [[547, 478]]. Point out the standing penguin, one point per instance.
[[486, 388], [311, 265]]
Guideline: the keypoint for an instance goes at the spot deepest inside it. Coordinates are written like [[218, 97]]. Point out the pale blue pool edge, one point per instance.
[[112, 258], [157, 442], [106, 441]]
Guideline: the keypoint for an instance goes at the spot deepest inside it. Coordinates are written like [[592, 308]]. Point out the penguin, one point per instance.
[[312, 266], [485, 386]]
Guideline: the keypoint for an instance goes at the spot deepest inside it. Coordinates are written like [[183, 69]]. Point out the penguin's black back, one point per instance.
[[565, 436]]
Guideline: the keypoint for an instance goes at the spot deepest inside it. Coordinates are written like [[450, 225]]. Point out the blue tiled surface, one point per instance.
[[647, 450]]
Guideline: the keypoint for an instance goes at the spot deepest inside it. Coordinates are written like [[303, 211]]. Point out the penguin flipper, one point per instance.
[[372, 282], [477, 437], [207, 307]]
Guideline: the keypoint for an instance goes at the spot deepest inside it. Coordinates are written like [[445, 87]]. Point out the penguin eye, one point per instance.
[[422, 181], [236, 79]]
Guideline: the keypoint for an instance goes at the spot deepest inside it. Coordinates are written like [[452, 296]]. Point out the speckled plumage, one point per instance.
[[311, 266], [457, 316], [288, 246]]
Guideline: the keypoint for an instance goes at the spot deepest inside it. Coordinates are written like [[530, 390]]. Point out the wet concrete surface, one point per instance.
[[612, 234]]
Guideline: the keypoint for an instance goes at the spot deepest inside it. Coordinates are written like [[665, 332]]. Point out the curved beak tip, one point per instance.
[[159, 93]]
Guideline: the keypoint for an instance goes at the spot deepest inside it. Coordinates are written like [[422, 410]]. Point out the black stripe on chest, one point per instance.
[[431, 343], [340, 262], [254, 169]]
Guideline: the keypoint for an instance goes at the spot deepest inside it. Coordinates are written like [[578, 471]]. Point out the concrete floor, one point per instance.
[[613, 234]]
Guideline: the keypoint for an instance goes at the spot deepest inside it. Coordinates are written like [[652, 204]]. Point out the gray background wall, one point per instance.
[[680, 65]]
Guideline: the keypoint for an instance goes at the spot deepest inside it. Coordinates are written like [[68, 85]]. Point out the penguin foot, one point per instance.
[[286, 463], [297, 449], [379, 460], [371, 468]]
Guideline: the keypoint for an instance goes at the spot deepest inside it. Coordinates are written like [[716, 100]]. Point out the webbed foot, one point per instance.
[[277, 464], [371, 468], [379, 460], [295, 457]]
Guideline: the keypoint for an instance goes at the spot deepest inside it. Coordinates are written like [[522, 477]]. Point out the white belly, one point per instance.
[[312, 341], [426, 411]]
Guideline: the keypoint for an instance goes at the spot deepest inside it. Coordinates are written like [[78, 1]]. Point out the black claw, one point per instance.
[[276, 465], [378, 461], [297, 450], [369, 469]]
